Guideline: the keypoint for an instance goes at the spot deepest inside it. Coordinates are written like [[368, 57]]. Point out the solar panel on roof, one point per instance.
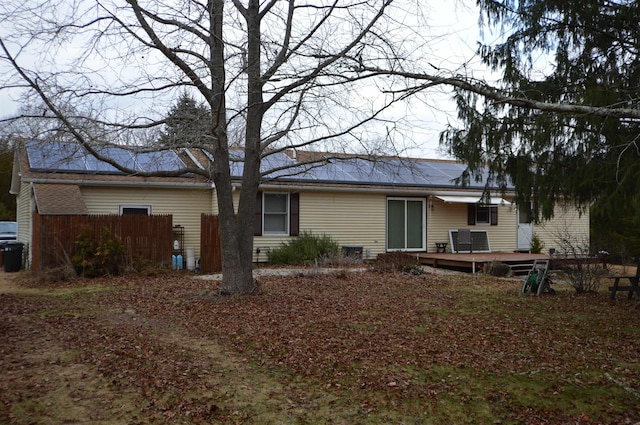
[[401, 172], [448, 169], [56, 156], [62, 156], [70, 157], [121, 156], [166, 160], [360, 170], [394, 171], [280, 164], [330, 172], [93, 164]]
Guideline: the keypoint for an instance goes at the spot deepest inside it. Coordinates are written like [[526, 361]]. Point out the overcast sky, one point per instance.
[[454, 28]]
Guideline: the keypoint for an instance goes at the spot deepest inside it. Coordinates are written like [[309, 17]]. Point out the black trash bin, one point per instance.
[[12, 256]]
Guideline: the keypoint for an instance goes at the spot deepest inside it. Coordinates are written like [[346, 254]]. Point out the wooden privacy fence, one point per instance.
[[146, 238], [210, 258]]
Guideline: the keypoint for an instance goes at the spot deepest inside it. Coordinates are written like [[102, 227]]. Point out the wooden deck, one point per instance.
[[474, 262]]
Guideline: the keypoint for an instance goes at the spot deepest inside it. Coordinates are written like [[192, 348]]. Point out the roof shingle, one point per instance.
[[59, 199]]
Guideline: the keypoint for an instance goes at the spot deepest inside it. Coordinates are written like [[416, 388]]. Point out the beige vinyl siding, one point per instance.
[[24, 208], [504, 236], [186, 206], [350, 218], [443, 216], [214, 203], [567, 223]]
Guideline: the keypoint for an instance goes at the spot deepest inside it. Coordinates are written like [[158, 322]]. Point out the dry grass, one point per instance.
[[339, 348]]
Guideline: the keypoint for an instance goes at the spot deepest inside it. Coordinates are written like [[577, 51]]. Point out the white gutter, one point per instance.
[[415, 191], [316, 188], [418, 191], [168, 185], [456, 192]]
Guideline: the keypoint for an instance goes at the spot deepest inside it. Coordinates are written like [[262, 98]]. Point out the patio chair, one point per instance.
[[464, 240]]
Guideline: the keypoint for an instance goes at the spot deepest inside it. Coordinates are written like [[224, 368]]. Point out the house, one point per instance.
[[377, 205]]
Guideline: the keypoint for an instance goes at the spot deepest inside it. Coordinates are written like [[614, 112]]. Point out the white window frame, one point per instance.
[[423, 219], [148, 207], [474, 238], [287, 214]]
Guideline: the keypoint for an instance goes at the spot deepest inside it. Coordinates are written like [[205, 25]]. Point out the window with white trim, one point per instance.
[[134, 209], [275, 213]]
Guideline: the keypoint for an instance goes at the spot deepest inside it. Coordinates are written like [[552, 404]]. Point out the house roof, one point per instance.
[[57, 161], [59, 199], [73, 158], [54, 162], [357, 170]]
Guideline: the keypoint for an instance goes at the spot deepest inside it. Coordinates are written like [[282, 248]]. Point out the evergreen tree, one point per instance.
[[187, 124], [589, 55]]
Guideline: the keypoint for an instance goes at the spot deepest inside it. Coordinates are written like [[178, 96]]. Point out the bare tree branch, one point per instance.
[[493, 93]]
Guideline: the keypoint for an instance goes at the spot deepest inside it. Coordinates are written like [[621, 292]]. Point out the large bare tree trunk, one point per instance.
[[236, 229], [237, 246]]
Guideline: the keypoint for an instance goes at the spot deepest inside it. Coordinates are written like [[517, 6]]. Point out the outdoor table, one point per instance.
[[631, 288], [441, 246]]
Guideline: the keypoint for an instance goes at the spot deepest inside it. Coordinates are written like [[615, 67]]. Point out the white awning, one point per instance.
[[471, 199]]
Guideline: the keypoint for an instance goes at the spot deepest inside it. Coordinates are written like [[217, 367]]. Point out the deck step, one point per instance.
[[520, 267]]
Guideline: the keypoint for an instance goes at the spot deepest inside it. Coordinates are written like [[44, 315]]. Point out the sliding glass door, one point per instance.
[[406, 230]]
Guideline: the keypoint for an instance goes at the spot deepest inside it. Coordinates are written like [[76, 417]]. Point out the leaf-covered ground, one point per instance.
[[340, 348]]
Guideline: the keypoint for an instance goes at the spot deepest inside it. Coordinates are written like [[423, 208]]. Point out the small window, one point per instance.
[[135, 209], [482, 215], [276, 214], [524, 213]]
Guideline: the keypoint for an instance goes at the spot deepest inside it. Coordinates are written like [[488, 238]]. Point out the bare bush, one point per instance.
[[497, 268], [583, 270], [397, 262], [60, 274], [339, 260]]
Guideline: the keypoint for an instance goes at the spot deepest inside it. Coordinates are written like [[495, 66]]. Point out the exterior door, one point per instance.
[[525, 228], [406, 227]]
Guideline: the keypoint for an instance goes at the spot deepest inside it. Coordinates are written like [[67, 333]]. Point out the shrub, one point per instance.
[[98, 257], [582, 270], [304, 249], [536, 244], [145, 267]]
